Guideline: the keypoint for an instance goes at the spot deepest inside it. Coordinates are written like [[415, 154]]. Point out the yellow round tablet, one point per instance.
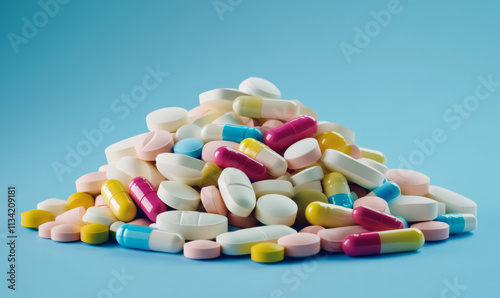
[[34, 218], [80, 199], [267, 252], [94, 233]]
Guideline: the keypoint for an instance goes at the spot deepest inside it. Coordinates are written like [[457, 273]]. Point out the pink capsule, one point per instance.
[[376, 220], [145, 196], [226, 157], [281, 137]]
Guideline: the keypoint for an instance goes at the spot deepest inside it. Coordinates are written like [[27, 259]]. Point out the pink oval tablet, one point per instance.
[[312, 229], [65, 233], [44, 229], [331, 239], [72, 216], [207, 154], [197, 112], [433, 230], [103, 168], [242, 222], [212, 200], [150, 144], [355, 152], [372, 202], [202, 249], [140, 222], [100, 202], [410, 182], [300, 244], [91, 182], [250, 122]]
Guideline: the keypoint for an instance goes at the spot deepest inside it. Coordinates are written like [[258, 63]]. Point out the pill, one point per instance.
[[212, 200], [145, 196], [82, 199], [404, 220], [226, 157], [103, 168], [459, 223], [387, 191], [275, 164], [100, 202], [271, 123], [267, 187], [267, 252], [376, 220], [303, 198], [34, 218], [94, 234], [331, 239], [414, 208], [332, 140], [410, 182], [113, 228], [120, 149], [314, 173], [455, 203], [45, 228], [119, 201], [190, 147], [353, 151], [193, 225], [302, 153], [229, 132], [240, 242], [352, 169], [433, 230], [72, 216], [382, 242], [207, 118], [202, 249], [276, 209], [169, 119], [54, 206], [300, 245], [211, 173], [140, 222], [178, 195], [99, 215], [135, 167], [374, 164], [374, 203], [315, 185], [242, 222], [91, 183], [347, 133], [261, 107], [207, 154], [312, 229], [441, 208], [220, 99], [259, 87], [281, 137], [188, 131], [304, 110], [180, 167], [328, 215], [375, 155], [237, 192], [337, 190], [65, 233], [197, 112], [146, 238], [229, 118], [149, 145], [117, 174]]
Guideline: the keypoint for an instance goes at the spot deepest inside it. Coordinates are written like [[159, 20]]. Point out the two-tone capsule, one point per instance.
[[226, 157], [275, 164], [387, 191], [146, 238], [459, 222], [337, 190], [118, 200], [230, 132], [376, 220], [328, 215], [259, 107]]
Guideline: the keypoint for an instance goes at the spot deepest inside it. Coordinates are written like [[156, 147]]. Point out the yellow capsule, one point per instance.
[[211, 173], [94, 233], [251, 147], [329, 215], [303, 198], [332, 140], [118, 200], [267, 252], [373, 154], [34, 218], [80, 199], [401, 240]]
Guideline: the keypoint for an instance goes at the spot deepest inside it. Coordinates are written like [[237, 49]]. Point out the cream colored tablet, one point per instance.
[[54, 206], [169, 119], [302, 153], [310, 174], [180, 167], [116, 173], [316, 185], [178, 195], [220, 99], [441, 208], [237, 192], [120, 149], [135, 167], [192, 225], [100, 215], [207, 118], [276, 209], [347, 133], [414, 208], [266, 187], [229, 118], [188, 131], [259, 87], [374, 164], [455, 203]]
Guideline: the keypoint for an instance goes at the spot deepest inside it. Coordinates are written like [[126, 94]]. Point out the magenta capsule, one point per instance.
[[376, 220], [145, 196], [227, 157], [281, 137]]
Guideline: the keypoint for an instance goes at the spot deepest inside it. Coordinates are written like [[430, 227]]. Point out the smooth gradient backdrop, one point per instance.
[[397, 73]]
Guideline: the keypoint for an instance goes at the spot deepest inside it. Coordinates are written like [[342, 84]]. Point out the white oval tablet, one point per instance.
[[347, 133], [54, 206], [207, 118], [276, 210], [180, 167], [115, 173], [374, 164], [192, 225], [169, 119], [316, 185], [259, 87], [414, 208], [237, 192], [120, 149], [314, 173], [229, 118], [455, 203], [135, 167], [220, 99], [100, 215], [178, 195], [266, 187], [302, 153], [188, 131]]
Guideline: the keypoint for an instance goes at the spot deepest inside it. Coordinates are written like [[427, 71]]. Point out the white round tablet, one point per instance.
[[266, 187], [180, 167], [188, 131], [302, 153], [316, 185], [260, 87], [276, 209], [169, 119], [178, 195], [308, 175]]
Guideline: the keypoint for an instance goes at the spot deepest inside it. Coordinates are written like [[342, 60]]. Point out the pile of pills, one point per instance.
[[285, 183]]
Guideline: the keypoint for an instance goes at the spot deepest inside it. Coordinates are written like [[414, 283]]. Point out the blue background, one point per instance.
[[394, 92]]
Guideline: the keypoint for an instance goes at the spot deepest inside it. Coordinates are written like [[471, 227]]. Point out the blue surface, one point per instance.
[[84, 70]]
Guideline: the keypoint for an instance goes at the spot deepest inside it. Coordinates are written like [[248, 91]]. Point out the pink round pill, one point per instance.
[[312, 229], [197, 112], [355, 152], [433, 230], [150, 144], [44, 229], [331, 239], [202, 249], [103, 168], [300, 244], [372, 202], [207, 153], [212, 200], [141, 222], [410, 182], [100, 202], [65, 233]]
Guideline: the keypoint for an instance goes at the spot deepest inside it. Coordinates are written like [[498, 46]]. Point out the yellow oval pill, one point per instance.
[[34, 218], [332, 140], [80, 199], [94, 233], [267, 252]]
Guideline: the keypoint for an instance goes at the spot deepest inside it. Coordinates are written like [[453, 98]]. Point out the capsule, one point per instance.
[[118, 200], [146, 238], [383, 242], [281, 137], [459, 222], [373, 154], [387, 191], [376, 220], [226, 157], [229, 132], [145, 196], [337, 190], [328, 215], [259, 107], [275, 164]]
